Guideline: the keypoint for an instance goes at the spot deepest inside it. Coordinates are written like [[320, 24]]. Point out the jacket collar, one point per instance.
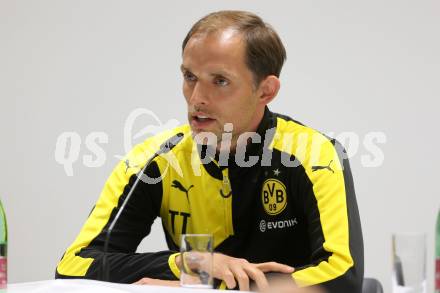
[[252, 149]]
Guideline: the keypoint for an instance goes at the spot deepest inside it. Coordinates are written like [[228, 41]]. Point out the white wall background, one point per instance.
[[83, 66]]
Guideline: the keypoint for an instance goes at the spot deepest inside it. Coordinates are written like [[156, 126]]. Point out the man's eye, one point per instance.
[[189, 76], [221, 81]]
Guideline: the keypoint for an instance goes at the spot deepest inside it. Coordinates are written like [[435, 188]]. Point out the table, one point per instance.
[[89, 286]]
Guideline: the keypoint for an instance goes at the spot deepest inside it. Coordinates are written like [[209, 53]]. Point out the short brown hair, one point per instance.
[[265, 53]]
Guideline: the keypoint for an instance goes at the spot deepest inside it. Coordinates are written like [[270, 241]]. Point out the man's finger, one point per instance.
[[228, 278], [241, 276], [274, 267], [258, 276]]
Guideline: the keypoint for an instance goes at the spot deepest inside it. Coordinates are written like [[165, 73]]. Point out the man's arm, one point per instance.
[[83, 259], [334, 226]]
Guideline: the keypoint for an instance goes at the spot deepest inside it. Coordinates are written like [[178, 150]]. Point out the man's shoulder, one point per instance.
[[293, 136], [287, 126]]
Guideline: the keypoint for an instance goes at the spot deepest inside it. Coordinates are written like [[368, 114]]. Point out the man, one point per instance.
[[276, 195]]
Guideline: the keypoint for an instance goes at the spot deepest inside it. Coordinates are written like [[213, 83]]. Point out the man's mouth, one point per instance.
[[200, 120]]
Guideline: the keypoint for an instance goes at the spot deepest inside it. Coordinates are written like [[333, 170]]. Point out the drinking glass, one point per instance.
[[409, 263], [196, 261]]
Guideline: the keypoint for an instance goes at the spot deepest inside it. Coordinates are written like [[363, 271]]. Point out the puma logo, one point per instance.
[[316, 168], [178, 185], [128, 166]]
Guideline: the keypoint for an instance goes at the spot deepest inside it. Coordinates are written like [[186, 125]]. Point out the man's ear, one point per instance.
[[269, 88]]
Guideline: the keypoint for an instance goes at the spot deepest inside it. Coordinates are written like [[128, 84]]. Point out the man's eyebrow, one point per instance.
[[223, 73], [220, 72]]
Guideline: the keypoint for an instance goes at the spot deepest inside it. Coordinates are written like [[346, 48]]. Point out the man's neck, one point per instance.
[[234, 144]]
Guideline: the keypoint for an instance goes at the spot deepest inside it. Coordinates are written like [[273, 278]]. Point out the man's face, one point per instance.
[[218, 86]]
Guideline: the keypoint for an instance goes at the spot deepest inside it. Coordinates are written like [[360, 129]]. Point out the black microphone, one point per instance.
[[167, 146]]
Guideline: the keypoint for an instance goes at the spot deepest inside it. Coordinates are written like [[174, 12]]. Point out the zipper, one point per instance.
[[226, 193], [226, 186]]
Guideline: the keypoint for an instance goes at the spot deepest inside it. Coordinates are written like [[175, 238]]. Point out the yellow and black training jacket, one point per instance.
[[293, 203]]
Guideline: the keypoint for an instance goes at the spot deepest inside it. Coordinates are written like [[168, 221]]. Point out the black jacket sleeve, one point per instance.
[[83, 259], [334, 227]]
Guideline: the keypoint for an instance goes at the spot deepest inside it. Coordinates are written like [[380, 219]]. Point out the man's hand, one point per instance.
[[157, 282], [232, 270]]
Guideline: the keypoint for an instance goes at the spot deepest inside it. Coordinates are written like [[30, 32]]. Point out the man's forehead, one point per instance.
[[227, 34], [225, 41], [220, 51]]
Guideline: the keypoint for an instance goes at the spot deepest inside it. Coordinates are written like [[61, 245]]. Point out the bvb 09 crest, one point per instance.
[[273, 196]]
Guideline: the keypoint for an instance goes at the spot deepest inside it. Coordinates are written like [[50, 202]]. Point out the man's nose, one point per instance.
[[198, 95]]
